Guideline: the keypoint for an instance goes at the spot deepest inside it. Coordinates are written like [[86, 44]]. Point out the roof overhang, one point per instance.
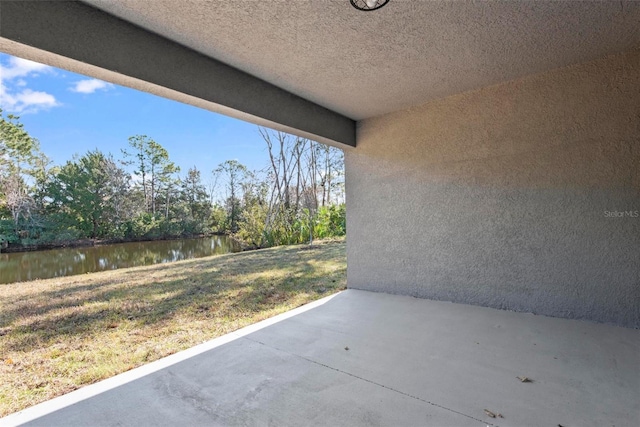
[[83, 39]]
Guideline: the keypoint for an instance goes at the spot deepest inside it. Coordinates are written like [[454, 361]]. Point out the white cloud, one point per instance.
[[26, 101], [15, 97], [19, 67], [39, 99], [90, 86]]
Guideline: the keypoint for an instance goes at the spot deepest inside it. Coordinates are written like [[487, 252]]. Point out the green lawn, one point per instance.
[[57, 335]]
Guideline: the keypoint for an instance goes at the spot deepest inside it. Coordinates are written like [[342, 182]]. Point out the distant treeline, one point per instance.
[[298, 196]]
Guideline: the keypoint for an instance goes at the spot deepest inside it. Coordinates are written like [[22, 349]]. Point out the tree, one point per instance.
[[330, 170], [234, 174], [88, 192], [122, 203], [151, 163], [20, 161], [167, 185], [139, 160], [16, 145], [195, 196], [16, 198]]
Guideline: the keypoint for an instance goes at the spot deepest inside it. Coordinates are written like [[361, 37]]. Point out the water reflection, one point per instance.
[[24, 266]]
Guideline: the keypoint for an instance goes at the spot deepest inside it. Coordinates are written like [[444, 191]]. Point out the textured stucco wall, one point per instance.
[[499, 197]]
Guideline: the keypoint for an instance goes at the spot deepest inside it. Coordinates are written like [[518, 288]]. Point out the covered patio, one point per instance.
[[353, 359], [494, 147]]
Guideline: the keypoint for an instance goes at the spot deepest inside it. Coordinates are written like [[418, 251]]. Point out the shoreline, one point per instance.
[[103, 242]]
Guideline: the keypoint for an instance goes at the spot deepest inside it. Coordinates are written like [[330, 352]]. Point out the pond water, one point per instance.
[[24, 266]]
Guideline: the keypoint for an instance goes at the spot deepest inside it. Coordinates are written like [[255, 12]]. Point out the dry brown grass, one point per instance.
[[60, 334]]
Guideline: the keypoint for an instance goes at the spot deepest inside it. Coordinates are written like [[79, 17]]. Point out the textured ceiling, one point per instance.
[[405, 54]]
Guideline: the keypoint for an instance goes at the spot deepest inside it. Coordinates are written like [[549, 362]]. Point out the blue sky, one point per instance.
[[71, 114]]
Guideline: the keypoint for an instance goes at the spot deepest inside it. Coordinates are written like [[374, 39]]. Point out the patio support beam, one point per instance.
[[83, 39]]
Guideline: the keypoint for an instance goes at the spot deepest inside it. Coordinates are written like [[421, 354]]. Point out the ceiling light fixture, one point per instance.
[[368, 5]]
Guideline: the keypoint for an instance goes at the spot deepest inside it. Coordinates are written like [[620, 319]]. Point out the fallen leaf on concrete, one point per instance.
[[489, 413], [525, 379]]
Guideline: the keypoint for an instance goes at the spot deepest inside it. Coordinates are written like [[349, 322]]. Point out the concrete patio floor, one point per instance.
[[360, 358]]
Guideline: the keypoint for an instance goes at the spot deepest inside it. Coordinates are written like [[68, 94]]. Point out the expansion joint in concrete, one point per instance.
[[386, 387]]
